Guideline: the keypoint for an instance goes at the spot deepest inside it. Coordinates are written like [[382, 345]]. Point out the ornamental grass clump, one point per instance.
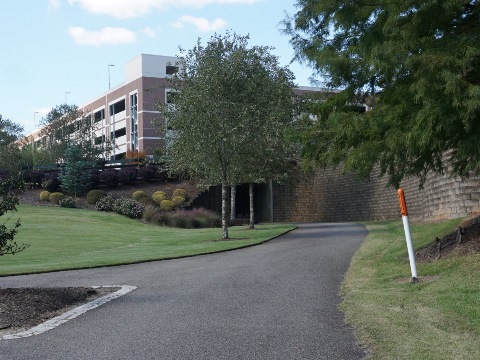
[[128, 207], [55, 197], [45, 195], [94, 196]]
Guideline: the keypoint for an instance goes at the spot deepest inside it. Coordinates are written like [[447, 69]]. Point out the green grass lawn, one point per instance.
[[438, 318], [62, 238]]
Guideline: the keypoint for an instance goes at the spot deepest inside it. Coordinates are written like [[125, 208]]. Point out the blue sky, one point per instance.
[[57, 51]]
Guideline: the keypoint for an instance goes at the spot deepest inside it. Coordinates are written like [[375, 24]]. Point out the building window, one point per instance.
[[134, 121], [99, 140], [171, 70], [99, 115], [118, 133], [118, 107]]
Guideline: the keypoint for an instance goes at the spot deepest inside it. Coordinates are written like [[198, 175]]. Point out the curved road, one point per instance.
[[278, 300]]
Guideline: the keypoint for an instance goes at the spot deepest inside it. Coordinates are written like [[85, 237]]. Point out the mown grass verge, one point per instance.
[[62, 238], [437, 318]]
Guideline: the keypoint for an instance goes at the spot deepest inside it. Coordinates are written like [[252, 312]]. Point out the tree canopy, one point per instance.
[[414, 63], [226, 111]]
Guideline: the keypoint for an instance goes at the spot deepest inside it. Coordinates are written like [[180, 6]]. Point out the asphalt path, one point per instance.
[[278, 300]]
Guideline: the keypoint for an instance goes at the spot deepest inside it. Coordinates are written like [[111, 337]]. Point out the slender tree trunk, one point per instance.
[[224, 212], [252, 213], [233, 203]]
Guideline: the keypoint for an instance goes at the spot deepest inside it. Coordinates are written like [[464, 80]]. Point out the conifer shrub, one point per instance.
[[147, 172], [128, 207], [93, 196], [178, 200], [180, 192], [139, 194], [68, 202], [45, 195], [55, 197], [159, 196], [127, 176], [167, 205], [105, 203], [109, 177]]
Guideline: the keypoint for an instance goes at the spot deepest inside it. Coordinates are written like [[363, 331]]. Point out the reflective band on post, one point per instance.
[[403, 204]]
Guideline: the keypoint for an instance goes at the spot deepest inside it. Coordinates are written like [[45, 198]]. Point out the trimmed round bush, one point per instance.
[[55, 197], [127, 176], [167, 205], [139, 194], [159, 196], [68, 202], [105, 203], [45, 195], [109, 177], [93, 196], [147, 172], [180, 192], [178, 200], [128, 207]]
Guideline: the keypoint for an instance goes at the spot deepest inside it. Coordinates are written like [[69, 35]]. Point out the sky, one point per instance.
[[59, 51]]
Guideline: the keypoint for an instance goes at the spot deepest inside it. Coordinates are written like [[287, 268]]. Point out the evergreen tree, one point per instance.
[[414, 63], [75, 180]]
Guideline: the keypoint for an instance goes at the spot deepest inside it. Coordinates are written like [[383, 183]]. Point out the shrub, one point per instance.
[[94, 177], [105, 203], [45, 195], [139, 194], [51, 182], [33, 177], [159, 196], [127, 176], [147, 172], [178, 200], [68, 202], [167, 205], [109, 177], [180, 192], [128, 207], [55, 197], [94, 196]]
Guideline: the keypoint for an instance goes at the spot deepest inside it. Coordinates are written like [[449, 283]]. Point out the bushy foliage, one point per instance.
[[74, 178], [147, 172], [105, 203], [178, 200], [94, 177], [167, 205], [159, 196], [68, 202], [128, 207], [139, 194], [109, 177], [33, 177], [55, 197], [51, 182], [196, 218], [180, 192], [94, 196], [127, 176], [45, 195]]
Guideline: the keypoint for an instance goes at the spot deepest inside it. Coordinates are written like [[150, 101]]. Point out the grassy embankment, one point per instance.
[[62, 238], [438, 318]]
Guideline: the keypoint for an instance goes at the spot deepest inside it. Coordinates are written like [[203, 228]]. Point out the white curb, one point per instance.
[[58, 320]]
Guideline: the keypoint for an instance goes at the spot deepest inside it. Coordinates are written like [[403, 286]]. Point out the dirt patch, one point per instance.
[[464, 240], [24, 308]]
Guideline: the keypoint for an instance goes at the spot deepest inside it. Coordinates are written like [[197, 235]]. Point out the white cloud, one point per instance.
[[149, 32], [53, 4], [123, 9], [202, 24], [106, 35]]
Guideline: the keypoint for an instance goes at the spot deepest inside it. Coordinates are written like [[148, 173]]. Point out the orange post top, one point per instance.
[[403, 204]]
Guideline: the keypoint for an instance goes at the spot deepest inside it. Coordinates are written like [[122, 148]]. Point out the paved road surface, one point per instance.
[[273, 301]]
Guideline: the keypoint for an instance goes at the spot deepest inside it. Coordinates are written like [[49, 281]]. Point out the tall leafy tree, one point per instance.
[[220, 96], [414, 63], [10, 155], [10, 185]]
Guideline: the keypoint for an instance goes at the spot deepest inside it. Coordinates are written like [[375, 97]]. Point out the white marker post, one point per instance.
[[408, 236]]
